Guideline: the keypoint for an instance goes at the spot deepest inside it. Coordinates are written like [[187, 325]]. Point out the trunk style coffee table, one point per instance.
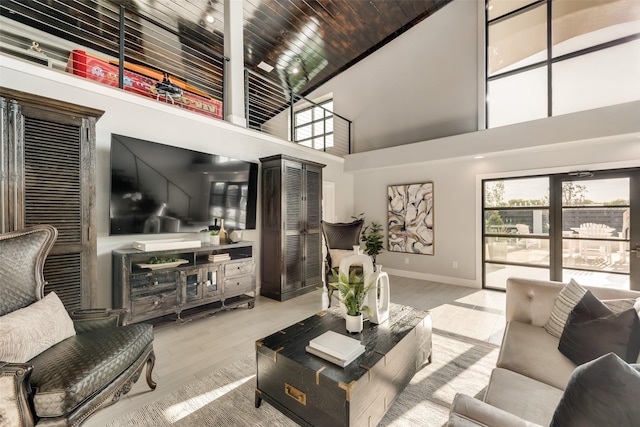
[[314, 392]]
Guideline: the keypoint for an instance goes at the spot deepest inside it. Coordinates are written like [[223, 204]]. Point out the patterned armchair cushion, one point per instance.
[[73, 370], [27, 332]]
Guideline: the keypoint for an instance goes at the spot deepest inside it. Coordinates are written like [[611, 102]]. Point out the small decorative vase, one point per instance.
[[356, 249], [215, 240], [378, 268], [223, 232], [354, 323]]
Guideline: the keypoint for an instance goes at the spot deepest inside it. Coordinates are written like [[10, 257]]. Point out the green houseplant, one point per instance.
[[373, 240], [214, 236], [352, 293]]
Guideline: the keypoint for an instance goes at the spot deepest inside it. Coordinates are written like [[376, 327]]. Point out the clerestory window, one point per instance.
[[313, 126]]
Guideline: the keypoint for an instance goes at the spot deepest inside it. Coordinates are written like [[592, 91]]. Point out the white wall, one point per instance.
[[605, 138], [139, 117], [422, 85]]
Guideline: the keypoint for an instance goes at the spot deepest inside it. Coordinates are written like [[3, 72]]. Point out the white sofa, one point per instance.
[[531, 373]]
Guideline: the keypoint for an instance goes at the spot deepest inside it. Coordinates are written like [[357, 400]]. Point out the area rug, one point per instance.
[[226, 397]]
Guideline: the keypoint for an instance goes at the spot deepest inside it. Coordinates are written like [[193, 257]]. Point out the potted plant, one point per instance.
[[214, 237], [352, 292], [373, 240]]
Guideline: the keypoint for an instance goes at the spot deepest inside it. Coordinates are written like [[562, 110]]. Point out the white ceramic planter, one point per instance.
[[215, 240], [354, 323]]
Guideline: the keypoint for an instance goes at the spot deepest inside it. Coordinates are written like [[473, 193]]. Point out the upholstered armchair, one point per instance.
[[339, 238], [56, 368]]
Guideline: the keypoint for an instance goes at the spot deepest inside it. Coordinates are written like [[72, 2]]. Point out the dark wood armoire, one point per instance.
[[291, 243], [47, 167]]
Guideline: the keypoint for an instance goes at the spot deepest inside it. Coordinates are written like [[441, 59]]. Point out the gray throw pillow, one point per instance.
[[602, 392], [593, 330]]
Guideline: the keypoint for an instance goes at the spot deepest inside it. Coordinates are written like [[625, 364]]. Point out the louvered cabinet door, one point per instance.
[[291, 218], [312, 227], [52, 160], [293, 211]]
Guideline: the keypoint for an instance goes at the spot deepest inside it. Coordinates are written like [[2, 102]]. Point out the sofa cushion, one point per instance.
[[602, 392], [592, 330], [522, 396], [73, 370], [566, 300], [29, 331], [531, 351]]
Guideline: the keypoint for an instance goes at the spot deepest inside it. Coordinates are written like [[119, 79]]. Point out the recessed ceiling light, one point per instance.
[[479, 157], [266, 67], [210, 19]]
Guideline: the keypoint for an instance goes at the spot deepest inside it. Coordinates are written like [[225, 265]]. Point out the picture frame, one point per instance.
[[410, 218]]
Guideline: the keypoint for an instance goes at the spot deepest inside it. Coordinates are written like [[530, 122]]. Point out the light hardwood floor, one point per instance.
[[185, 352]]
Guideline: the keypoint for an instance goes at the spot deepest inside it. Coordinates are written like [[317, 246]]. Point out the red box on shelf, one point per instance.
[[144, 82]]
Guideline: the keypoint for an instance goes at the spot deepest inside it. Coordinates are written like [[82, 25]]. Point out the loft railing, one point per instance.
[[276, 110], [146, 53]]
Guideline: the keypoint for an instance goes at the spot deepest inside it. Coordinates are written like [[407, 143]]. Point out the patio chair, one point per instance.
[[523, 229]]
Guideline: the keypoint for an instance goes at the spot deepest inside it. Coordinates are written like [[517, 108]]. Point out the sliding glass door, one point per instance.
[[580, 225], [595, 211]]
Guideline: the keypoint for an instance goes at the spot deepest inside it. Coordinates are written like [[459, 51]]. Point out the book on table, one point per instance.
[[336, 348]]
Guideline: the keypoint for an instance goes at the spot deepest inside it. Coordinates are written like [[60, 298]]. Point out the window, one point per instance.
[[313, 126], [552, 57], [578, 225], [516, 229]]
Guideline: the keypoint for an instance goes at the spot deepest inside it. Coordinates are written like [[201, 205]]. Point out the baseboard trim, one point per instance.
[[435, 278]]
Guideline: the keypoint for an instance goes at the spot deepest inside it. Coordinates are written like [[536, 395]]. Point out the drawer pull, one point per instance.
[[295, 394]]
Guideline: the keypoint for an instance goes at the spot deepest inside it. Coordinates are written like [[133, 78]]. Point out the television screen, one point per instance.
[[157, 188]]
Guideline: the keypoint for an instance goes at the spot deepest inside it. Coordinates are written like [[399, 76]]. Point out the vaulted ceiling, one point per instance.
[[306, 41], [310, 41]]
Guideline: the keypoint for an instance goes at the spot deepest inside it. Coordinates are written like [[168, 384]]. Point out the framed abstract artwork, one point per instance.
[[410, 218]]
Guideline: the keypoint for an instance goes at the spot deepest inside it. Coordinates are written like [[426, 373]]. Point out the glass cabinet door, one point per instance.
[[210, 281]]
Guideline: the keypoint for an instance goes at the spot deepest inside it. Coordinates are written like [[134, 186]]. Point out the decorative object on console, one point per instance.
[[165, 244], [222, 232], [156, 263], [214, 237], [410, 218]]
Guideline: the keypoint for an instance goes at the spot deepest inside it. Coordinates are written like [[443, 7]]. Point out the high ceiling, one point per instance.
[[310, 41], [306, 41]]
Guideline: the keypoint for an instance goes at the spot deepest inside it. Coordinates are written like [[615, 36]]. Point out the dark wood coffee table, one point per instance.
[[314, 392]]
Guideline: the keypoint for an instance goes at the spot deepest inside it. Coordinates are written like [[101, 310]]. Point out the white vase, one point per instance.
[[354, 323], [215, 240]]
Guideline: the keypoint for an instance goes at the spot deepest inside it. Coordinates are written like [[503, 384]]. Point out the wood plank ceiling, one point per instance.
[[307, 41], [310, 41]]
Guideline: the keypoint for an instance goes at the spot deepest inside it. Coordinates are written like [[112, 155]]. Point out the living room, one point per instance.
[[435, 136]]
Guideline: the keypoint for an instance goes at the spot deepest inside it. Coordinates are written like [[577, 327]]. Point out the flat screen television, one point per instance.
[[157, 188]]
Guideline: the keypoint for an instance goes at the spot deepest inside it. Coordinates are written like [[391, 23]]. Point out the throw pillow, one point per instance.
[[593, 330], [566, 300], [337, 255], [27, 332], [603, 392], [619, 305]]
